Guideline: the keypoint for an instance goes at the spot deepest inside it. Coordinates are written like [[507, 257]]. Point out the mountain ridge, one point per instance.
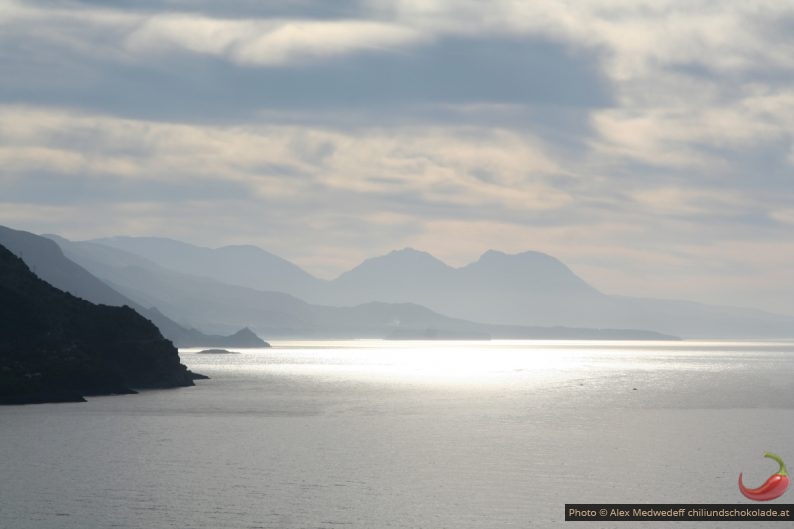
[[243, 270], [47, 260], [214, 305], [529, 288]]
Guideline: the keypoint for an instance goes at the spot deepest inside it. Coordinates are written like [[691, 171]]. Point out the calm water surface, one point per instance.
[[372, 434]]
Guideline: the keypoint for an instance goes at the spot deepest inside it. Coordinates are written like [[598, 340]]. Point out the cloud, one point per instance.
[[266, 42], [428, 173], [679, 201], [458, 167], [193, 66], [634, 139], [784, 215], [238, 9]]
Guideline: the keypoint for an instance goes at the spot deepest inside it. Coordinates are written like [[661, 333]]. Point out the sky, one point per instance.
[[646, 144]]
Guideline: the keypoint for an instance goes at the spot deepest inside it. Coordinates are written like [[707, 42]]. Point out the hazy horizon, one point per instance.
[[646, 145]]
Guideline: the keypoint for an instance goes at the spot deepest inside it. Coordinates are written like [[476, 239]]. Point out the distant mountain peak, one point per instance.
[[408, 249], [409, 252], [407, 262], [528, 254], [245, 337], [530, 258], [405, 256], [492, 254], [243, 247]]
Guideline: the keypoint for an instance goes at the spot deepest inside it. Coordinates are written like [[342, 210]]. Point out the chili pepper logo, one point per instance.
[[773, 488]]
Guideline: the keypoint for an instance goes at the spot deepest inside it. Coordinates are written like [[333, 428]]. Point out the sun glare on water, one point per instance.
[[435, 362]]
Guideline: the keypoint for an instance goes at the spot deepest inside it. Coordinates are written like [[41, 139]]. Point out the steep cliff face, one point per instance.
[[56, 347]]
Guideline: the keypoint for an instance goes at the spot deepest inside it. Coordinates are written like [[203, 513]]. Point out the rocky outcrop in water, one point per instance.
[[56, 347], [217, 352]]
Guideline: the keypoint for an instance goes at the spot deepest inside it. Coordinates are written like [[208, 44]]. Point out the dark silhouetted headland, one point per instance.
[[56, 347]]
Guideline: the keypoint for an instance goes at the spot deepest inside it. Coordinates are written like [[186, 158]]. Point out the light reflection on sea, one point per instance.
[[371, 434]]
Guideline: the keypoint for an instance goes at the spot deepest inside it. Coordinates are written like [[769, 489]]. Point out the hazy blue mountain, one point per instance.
[[402, 276], [205, 302], [525, 289], [100, 254], [533, 272], [536, 289], [410, 272], [57, 347], [241, 265], [46, 259], [402, 267], [218, 306]]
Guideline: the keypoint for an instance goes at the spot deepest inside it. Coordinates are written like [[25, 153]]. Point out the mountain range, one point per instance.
[[526, 289], [197, 294], [216, 306]]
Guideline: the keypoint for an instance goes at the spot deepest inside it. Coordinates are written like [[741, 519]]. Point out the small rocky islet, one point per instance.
[[217, 352]]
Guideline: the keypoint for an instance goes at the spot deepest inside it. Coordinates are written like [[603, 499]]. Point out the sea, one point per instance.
[[372, 434]]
